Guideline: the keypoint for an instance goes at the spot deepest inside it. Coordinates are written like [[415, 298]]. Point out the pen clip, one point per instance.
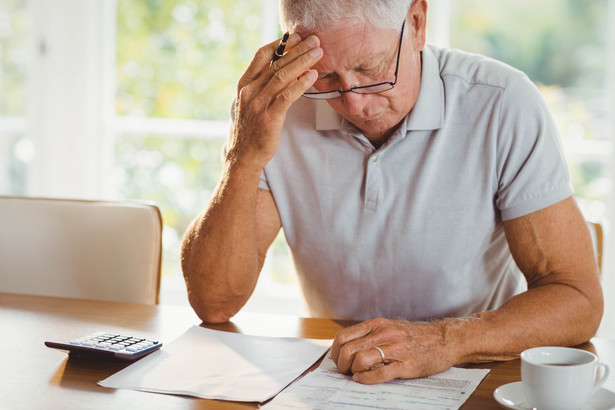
[[279, 52]]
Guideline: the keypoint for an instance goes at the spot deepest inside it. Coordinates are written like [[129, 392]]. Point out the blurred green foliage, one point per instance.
[[13, 69], [561, 45], [13, 57], [182, 59], [555, 42], [177, 173], [178, 59]]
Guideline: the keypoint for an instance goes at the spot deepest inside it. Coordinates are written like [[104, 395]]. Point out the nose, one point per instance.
[[354, 103]]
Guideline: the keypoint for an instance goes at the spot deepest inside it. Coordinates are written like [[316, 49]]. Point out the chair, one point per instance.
[[595, 230], [101, 250]]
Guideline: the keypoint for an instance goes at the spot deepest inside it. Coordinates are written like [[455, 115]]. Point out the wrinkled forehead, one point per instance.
[[352, 44]]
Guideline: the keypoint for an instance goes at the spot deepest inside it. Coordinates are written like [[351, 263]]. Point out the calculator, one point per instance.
[[111, 345]]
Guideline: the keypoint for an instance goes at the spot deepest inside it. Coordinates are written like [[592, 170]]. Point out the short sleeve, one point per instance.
[[532, 171]]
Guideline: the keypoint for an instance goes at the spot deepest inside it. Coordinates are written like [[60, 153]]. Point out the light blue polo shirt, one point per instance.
[[414, 229]]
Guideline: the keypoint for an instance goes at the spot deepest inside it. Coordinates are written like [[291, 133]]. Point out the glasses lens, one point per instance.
[[373, 89], [368, 89], [322, 96]]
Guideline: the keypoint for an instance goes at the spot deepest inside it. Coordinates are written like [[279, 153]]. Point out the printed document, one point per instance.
[[326, 388], [221, 365]]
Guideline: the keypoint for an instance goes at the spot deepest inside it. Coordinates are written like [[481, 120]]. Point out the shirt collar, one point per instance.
[[427, 114]]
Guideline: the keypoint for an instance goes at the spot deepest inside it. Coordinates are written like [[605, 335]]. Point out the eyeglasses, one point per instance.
[[364, 89]]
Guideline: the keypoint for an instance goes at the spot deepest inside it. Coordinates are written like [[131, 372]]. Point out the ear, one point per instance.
[[417, 23]]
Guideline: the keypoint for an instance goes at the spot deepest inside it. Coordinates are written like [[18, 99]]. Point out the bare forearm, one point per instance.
[[220, 259], [563, 305], [224, 249], [547, 315], [557, 314]]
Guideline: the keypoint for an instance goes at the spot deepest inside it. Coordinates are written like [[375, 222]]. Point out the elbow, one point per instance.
[[211, 317], [596, 301], [590, 322], [209, 306], [211, 313], [199, 300], [596, 313], [212, 297]]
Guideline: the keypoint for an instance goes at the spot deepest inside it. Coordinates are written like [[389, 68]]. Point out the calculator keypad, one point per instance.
[[114, 343]]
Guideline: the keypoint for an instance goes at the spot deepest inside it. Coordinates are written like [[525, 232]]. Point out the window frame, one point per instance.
[[71, 90]]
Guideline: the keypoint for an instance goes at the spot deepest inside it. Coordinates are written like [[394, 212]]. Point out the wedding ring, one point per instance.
[[381, 353]]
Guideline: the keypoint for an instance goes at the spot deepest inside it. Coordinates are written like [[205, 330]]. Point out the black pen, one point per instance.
[[279, 52]]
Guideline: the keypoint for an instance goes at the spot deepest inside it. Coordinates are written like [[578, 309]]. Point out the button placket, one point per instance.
[[372, 183]]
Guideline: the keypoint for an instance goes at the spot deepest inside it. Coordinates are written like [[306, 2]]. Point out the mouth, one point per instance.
[[370, 117]]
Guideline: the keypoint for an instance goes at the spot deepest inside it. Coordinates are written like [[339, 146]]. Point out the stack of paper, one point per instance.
[[327, 389], [231, 366], [221, 365]]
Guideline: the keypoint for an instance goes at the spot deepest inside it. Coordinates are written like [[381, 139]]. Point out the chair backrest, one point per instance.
[[106, 250], [595, 230]]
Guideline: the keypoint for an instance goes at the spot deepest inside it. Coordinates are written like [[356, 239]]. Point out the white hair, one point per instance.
[[320, 15]]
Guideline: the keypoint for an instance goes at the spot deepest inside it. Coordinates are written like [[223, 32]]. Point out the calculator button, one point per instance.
[[109, 344]]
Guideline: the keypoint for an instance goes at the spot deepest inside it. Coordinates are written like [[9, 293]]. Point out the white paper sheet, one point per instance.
[[221, 365], [326, 388]]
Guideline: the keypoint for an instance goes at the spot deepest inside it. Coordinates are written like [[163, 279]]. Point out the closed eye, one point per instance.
[[327, 76], [373, 68]]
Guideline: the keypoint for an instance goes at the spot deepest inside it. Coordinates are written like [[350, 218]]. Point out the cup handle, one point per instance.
[[605, 375]]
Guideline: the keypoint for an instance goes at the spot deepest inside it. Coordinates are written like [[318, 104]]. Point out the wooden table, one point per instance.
[[35, 377]]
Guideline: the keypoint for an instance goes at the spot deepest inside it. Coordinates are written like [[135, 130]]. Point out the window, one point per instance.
[[130, 99], [177, 66], [567, 47], [561, 47], [15, 148]]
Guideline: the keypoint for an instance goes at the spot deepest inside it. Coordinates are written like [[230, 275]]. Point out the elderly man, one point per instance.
[[421, 190]]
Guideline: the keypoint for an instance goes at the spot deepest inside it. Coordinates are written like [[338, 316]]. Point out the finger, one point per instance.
[[368, 359], [287, 70], [293, 92], [350, 340], [262, 59], [347, 335], [295, 49], [287, 84], [282, 74], [380, 374]]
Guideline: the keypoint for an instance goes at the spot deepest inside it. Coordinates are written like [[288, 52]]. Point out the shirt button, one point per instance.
[[374, 159]]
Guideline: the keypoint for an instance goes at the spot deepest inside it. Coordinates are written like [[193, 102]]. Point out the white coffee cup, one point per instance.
[[560, 378]]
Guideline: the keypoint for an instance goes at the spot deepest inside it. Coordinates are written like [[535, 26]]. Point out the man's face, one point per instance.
[[359, 55]]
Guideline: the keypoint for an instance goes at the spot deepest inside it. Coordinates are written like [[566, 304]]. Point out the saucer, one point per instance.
[[511, 396]]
